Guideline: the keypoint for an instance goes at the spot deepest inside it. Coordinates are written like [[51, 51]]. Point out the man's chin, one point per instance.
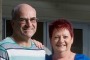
[[29, 36]]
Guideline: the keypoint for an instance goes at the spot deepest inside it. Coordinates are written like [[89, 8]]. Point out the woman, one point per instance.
[[61, 38]]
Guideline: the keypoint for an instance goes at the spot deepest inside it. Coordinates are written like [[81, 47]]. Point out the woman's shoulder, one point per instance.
[[48, 57], [81, 57]]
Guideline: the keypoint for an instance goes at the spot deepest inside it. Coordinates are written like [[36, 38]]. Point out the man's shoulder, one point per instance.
[[33, 46], [6, 43], [6, 40], [2, 48]]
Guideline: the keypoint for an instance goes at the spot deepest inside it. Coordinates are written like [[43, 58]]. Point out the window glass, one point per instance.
[[38, 35], [78, 41]]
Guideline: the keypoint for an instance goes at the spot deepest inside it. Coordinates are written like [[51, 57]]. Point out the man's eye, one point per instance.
[[33, 19], [22, 19]]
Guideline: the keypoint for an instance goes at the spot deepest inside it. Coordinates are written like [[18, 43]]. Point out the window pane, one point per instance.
[[38, 35], [9, 29], [78, 41]]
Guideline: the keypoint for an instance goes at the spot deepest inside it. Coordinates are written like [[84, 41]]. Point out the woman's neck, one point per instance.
[[64, 56]]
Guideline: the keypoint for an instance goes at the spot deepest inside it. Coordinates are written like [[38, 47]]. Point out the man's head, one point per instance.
[[24, 22]]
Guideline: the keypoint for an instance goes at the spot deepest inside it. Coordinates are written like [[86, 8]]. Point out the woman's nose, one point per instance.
[[61, 40]]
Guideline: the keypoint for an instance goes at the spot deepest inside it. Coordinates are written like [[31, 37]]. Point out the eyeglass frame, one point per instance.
[[24, 20]]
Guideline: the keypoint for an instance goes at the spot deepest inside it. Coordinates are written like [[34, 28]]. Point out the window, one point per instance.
[[77, 45], [81, 42], [7, 30]]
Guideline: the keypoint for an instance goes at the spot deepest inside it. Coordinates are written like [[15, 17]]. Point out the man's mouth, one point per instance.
[[60, 45]]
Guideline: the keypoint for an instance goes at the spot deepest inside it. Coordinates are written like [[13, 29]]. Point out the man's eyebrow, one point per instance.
[[22, 18], [27, 18]]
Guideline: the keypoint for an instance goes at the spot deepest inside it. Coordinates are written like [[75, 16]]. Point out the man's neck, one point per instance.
[[22, 41]]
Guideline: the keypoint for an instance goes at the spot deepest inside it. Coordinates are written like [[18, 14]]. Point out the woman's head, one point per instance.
[[61, 35], [61, 24]]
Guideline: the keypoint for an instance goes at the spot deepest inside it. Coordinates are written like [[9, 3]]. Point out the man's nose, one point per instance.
[[28, 23]]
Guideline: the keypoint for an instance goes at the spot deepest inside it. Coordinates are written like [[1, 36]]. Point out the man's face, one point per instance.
[[26, 24]]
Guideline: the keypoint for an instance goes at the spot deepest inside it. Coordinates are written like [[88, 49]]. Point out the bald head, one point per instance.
[[19, 9]]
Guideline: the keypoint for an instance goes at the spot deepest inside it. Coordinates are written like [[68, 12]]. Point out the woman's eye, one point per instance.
[[65, 37], [56, 37]]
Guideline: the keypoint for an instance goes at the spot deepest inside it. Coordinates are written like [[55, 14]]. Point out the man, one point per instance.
[[20, 46]]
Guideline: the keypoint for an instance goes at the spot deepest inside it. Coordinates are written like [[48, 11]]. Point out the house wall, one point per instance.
[[0, 19], [48, 10]]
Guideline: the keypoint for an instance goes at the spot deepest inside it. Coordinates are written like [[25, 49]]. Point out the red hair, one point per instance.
[[60, 24]]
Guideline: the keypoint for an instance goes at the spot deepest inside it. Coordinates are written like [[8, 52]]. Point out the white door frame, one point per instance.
[[85, 29], [86, 35]]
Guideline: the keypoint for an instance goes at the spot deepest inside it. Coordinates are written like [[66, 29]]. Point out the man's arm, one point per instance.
[[3, 54], [38, 44]]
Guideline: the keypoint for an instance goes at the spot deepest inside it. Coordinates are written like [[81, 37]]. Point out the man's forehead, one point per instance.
[[21, 7]]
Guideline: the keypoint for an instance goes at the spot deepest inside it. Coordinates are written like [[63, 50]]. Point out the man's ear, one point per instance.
[[12, 23]]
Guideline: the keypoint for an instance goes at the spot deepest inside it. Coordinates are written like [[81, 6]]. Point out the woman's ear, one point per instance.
[[72, 40]]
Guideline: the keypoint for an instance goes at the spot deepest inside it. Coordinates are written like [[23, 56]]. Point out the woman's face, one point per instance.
[[61, 40]]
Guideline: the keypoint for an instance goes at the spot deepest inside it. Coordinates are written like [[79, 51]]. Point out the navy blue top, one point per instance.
[[77, 57]]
